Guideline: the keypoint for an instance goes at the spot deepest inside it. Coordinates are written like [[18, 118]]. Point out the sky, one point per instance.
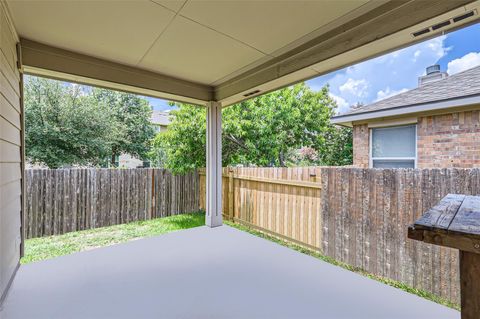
[[398, 71], [393, 73]]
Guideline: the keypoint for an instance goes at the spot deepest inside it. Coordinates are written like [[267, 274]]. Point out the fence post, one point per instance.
[[152, 195], [230, 194]]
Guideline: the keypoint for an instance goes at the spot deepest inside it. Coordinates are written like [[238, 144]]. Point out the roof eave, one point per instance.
[[348, 119]]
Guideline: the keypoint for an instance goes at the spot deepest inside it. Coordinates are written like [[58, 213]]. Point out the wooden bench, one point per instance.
[[455, 222]]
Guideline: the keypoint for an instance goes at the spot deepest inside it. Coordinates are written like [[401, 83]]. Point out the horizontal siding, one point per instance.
[[9, 193], [9, 255], [9, 71], [10, 94], [10, 152], [8, 39], [9, 172], [9, 112], [9, 133], [13, 219]]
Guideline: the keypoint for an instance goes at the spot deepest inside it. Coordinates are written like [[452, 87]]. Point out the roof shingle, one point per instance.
[[160, 118], [455, 86]]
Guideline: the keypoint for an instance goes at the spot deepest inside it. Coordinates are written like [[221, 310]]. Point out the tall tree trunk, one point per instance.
[[281, 159], [112, 160]]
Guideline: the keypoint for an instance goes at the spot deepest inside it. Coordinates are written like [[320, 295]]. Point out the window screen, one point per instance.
[[394, 147]]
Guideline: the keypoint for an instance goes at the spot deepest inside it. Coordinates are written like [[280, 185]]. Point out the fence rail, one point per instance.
[[282, 201], [65, 200], [357, 216]]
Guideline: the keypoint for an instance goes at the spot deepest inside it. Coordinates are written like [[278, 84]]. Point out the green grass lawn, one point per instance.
[[48, 247]]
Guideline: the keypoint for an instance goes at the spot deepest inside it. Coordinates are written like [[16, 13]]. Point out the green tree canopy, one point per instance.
[[63, 127], [131, 114], [71, 125], [262, 131]]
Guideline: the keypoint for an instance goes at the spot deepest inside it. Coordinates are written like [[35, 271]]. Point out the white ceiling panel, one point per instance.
[[191, 51], [258, 23], [121, 31]]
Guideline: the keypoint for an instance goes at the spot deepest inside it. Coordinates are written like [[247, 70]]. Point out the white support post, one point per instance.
[[213, 216]]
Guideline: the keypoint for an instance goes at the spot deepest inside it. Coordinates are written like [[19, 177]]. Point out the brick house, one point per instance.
[[436, 125]]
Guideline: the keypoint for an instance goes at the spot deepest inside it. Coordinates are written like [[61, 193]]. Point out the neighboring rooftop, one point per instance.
[[160, 118], [450, 90]]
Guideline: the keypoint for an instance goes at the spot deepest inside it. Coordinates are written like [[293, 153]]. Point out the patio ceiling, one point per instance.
[[197, 51]]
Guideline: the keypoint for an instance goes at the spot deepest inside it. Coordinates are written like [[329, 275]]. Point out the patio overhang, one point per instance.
[[256, 58]]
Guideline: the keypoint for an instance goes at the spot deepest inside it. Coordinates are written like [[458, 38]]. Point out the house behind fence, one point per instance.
[[436, 125], [65, 200]]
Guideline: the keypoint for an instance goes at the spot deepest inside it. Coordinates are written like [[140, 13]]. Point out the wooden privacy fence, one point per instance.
[[65, 200], [357, 216], [281, 201]]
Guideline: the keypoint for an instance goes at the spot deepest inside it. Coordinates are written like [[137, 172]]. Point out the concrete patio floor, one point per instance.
[[204, 273]]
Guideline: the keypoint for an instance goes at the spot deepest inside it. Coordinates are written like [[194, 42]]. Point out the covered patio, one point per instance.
[[212, 54], [204, 273]]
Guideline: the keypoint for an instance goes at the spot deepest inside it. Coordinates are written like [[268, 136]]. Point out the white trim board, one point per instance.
[[347, 119], [394, 122]]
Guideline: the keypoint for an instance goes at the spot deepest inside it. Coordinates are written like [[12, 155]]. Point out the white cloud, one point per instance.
[[466, 62], [437, 48], [383, 94], [355, 87], [416, 55], [342, 104], [385, 75]]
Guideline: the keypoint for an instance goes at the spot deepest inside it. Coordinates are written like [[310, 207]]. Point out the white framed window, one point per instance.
[[393, 146]]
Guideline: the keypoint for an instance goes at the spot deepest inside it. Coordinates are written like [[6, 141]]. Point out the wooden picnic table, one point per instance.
[[455, 222]]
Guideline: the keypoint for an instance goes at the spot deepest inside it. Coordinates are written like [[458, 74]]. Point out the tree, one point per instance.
[[63, 126], [131, 115], [182, 146], [68, 124], [337, 150], [262, 131], [265, 128]]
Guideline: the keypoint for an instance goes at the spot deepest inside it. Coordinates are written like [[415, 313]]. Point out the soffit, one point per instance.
[[120, 31], [197, 41], [223, 49]]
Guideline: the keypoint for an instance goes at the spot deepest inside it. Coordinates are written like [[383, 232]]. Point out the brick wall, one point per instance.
[[449, 140], [443, 141], [360, 146]]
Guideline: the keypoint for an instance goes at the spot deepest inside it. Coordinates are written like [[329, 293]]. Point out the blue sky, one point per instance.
[[395, 72], [158, 104], [398, 71]]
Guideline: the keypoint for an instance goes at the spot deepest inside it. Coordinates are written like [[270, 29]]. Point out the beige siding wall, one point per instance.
[[10, 151]]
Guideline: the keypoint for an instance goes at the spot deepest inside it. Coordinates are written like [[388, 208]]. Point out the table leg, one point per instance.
[[470, 284]]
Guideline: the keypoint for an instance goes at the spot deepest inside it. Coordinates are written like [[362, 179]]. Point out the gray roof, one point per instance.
[[160, 118], [466, 83]]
